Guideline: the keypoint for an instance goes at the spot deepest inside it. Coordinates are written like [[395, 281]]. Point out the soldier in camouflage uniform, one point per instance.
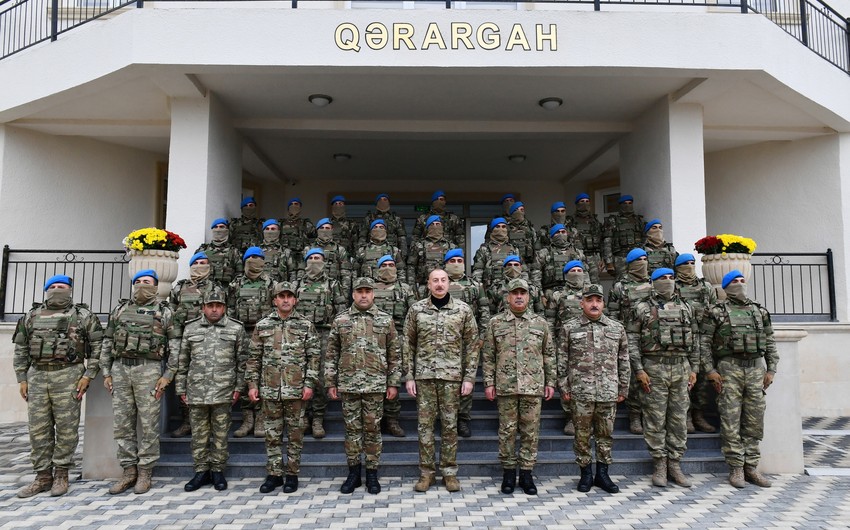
[[464, 288], [224, 257], [659, 252], [624, 297], [209, 379], [363, 366], [140, 337], [245, 230], [426, 254], [454, 228], [700, 295], [593, 375], [378, 245], [52, 342], [249, 299], [558, 212], [519, 368], [621, 232], [497, 294], [664, 352], [283, 371], [394, 233], [739, 357], [590, 234], [296, 232], [547, 269], [337, 260], [346, 231], [279, 264], [393, 297], [320, 299], [508, 200], [439, 361], [489, 259], [521, 233]]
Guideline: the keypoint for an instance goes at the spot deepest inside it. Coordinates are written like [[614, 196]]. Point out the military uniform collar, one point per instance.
[[526, 315], [221, 322], [373, 310], [604, 320]]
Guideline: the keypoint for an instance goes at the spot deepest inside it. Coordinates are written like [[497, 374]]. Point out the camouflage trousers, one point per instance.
[[567, 407], [519, 415], [438, 398], [54, 416], [620, 265], [210, 425], [665, 408], [702, 394], [741, 407], [362, 414], [392, 408], [134, 402], [593, 418], [288, 413], [465, 411], [245, 402], [319, 404], [633, 401], [593, 262]]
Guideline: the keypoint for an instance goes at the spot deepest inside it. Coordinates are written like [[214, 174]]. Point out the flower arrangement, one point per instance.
[[153, 239], [725, 244]]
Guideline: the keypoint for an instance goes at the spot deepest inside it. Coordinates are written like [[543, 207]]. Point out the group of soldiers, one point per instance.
[[282, 315]]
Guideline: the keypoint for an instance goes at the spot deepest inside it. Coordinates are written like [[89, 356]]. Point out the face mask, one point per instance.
[[250, 212], [338, 210], [294, 210], [499, 234], [58, 298], [253, 267], [325, 235], [435, 231], [560, 240], [271, 236], [439, 205], [219, 235], [664, 287], [575, 279], [387, 274], [199, 272], [512, 272], [455, 270], [686, 273], [144, 294], [518, 216], [506, 206], [314, 268], [627, 209], [382, 206], [583, 207], [737, 291], [655, 236], [378, 234], [559, 217], [637, 270]]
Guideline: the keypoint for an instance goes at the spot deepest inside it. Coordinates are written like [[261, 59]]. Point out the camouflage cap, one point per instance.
[[215, 295], [281, 287], [517, 283], [594, 289], [363, 282]]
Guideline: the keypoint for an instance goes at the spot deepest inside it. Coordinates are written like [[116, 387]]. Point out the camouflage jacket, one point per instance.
[[225, 262], [700, 295], [250, 300], [658, 257], [425, 256], [547, 270], [663, 329], [563, 305], [440, 343], [396, 234], [489, 261], [363, 354], [498, 293], [589, 233], [473, 294], [518, 355], [296, 232], [593, 359], [146, 332], [320, 300], [279, 263], [624, 297], [620, 234], [337, 264], [739, 330], [346, 233], [283, 357], [245, 232], [366, 262], [454, 228], [395, 299], [51, 336], [524, 238], [208, 367], [186, 300]]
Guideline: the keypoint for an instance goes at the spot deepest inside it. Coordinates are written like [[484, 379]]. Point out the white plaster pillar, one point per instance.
[[842, 245]]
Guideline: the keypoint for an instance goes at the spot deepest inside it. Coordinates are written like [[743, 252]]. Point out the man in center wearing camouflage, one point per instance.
[[622, 232], [394, 234], [547, 269], [346, 231], [519, 368], [590, 235], [659, 253], [337, 261], [440, 356], [454, 227], [296, 232], [521, 233], [363, 366]]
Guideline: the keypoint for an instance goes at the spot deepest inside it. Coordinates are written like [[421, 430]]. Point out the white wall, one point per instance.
[[824, 365]]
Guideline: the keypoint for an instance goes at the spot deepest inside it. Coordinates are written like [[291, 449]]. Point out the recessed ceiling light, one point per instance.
[[320, 100], [550, 103], [342, 157], [518, 159]]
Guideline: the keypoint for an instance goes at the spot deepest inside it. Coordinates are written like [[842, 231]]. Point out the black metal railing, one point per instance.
[[24, 23], [100, 278], [795, 286]]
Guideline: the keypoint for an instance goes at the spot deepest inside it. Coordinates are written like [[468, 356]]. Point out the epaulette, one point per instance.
[[191, 320], [237, 321]]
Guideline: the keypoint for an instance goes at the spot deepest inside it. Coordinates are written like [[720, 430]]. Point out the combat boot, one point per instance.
[[43, 482], [585, 482], [659, 475], [634, 423], [290, 485], [690, 425], [569, 428], [602, 479], [701, 423], [426, 480], [272, 482], [526, 482], [60, 482], [247, 424], [318, 428], [143, 483], [127, 481], [353, 481], [736, 477], [674, 473], [394, 428], [218, 481], [752, 475], [451, 483], [372, 484], [508, 481], [259, 426], [463, 429], [185, 429], [201, 478]]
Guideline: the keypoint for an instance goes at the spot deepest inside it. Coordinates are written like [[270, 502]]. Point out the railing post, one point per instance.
[[804, 24], [294, 4], [847, 34], [448, 4], [745, 8], [140, 3], [830, 275], [4, 277], [597, 5], [54, 19]]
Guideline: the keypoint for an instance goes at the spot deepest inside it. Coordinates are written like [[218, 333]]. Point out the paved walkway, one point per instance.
[[795, 501]]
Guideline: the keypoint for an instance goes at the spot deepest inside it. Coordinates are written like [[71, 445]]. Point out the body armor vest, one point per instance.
[[553, 273], [746, 335], [252, 303], [221, 270], [590, 234], [462, 291], [316, 306], [659, 257], [521, 240], [496, 262], [391, 300], [628, 233], [243, 233], [670, 330], [139, 335], [51, 338]]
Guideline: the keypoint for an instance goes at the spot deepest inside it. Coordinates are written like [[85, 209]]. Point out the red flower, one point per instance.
[[709, 245]]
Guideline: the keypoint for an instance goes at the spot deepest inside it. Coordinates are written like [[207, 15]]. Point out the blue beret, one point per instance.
[[312, 252], [432, 219], [437, 194], [661, 272], [507, 196], [382, 196], [683, 258], [515, 206], [496, 221], [146, 272], [220, 221], [246, 200], [59, 278], [634, 254], [294, 199], [453, 253], [624, 198], [731, 275], [385, 258], [253, 251], [512, 257], [574, 263], [337, 198], [648, 225], [581, 196], [556, 205], [555, 228], [377, 222], [270, 222], [323, 221], [196, 257]]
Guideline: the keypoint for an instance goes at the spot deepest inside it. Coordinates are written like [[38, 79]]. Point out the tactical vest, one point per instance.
[[342, 232], [391, 222], [670, 330], [553, 273], [391, 301], [519, 238], [589, 232], [633, 294], [569, 306], [243, 232], [496, 262], [628, 233], [252, 302], [51, 341], [292, 236], [746, 334], [140, 335], [189, 304], [696, 295], [221, 269], [316, 306], [271, 266], [434, 252], [463, 292], [372, 253], [332, 263], [658, 258]]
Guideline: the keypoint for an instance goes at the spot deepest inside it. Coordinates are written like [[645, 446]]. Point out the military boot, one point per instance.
[[526, 482], [690, 425], [508, 481], [372, 484], [247, 424], [394, 428], [259, 425], [674, 473], [569, 428], [60, 482], [752, 475], [463, 429], [659, 474], [585, 482], [353, 481], [43, 482], [701, 423], [634, 423], [426, 480], [736, 477], [127, 481], [143, 484], [451, 483], [602, 479], [318, 428], [290, 484], [185, 429]]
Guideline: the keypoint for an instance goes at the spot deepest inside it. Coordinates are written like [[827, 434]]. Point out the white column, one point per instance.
[[782, 446], [840, 245]]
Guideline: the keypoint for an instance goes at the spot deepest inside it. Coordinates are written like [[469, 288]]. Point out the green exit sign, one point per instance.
[[423, 208]]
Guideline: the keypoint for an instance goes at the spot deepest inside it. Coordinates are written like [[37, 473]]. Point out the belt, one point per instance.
[[664, 359], [135, 361], [51, 367], [744, 363]]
